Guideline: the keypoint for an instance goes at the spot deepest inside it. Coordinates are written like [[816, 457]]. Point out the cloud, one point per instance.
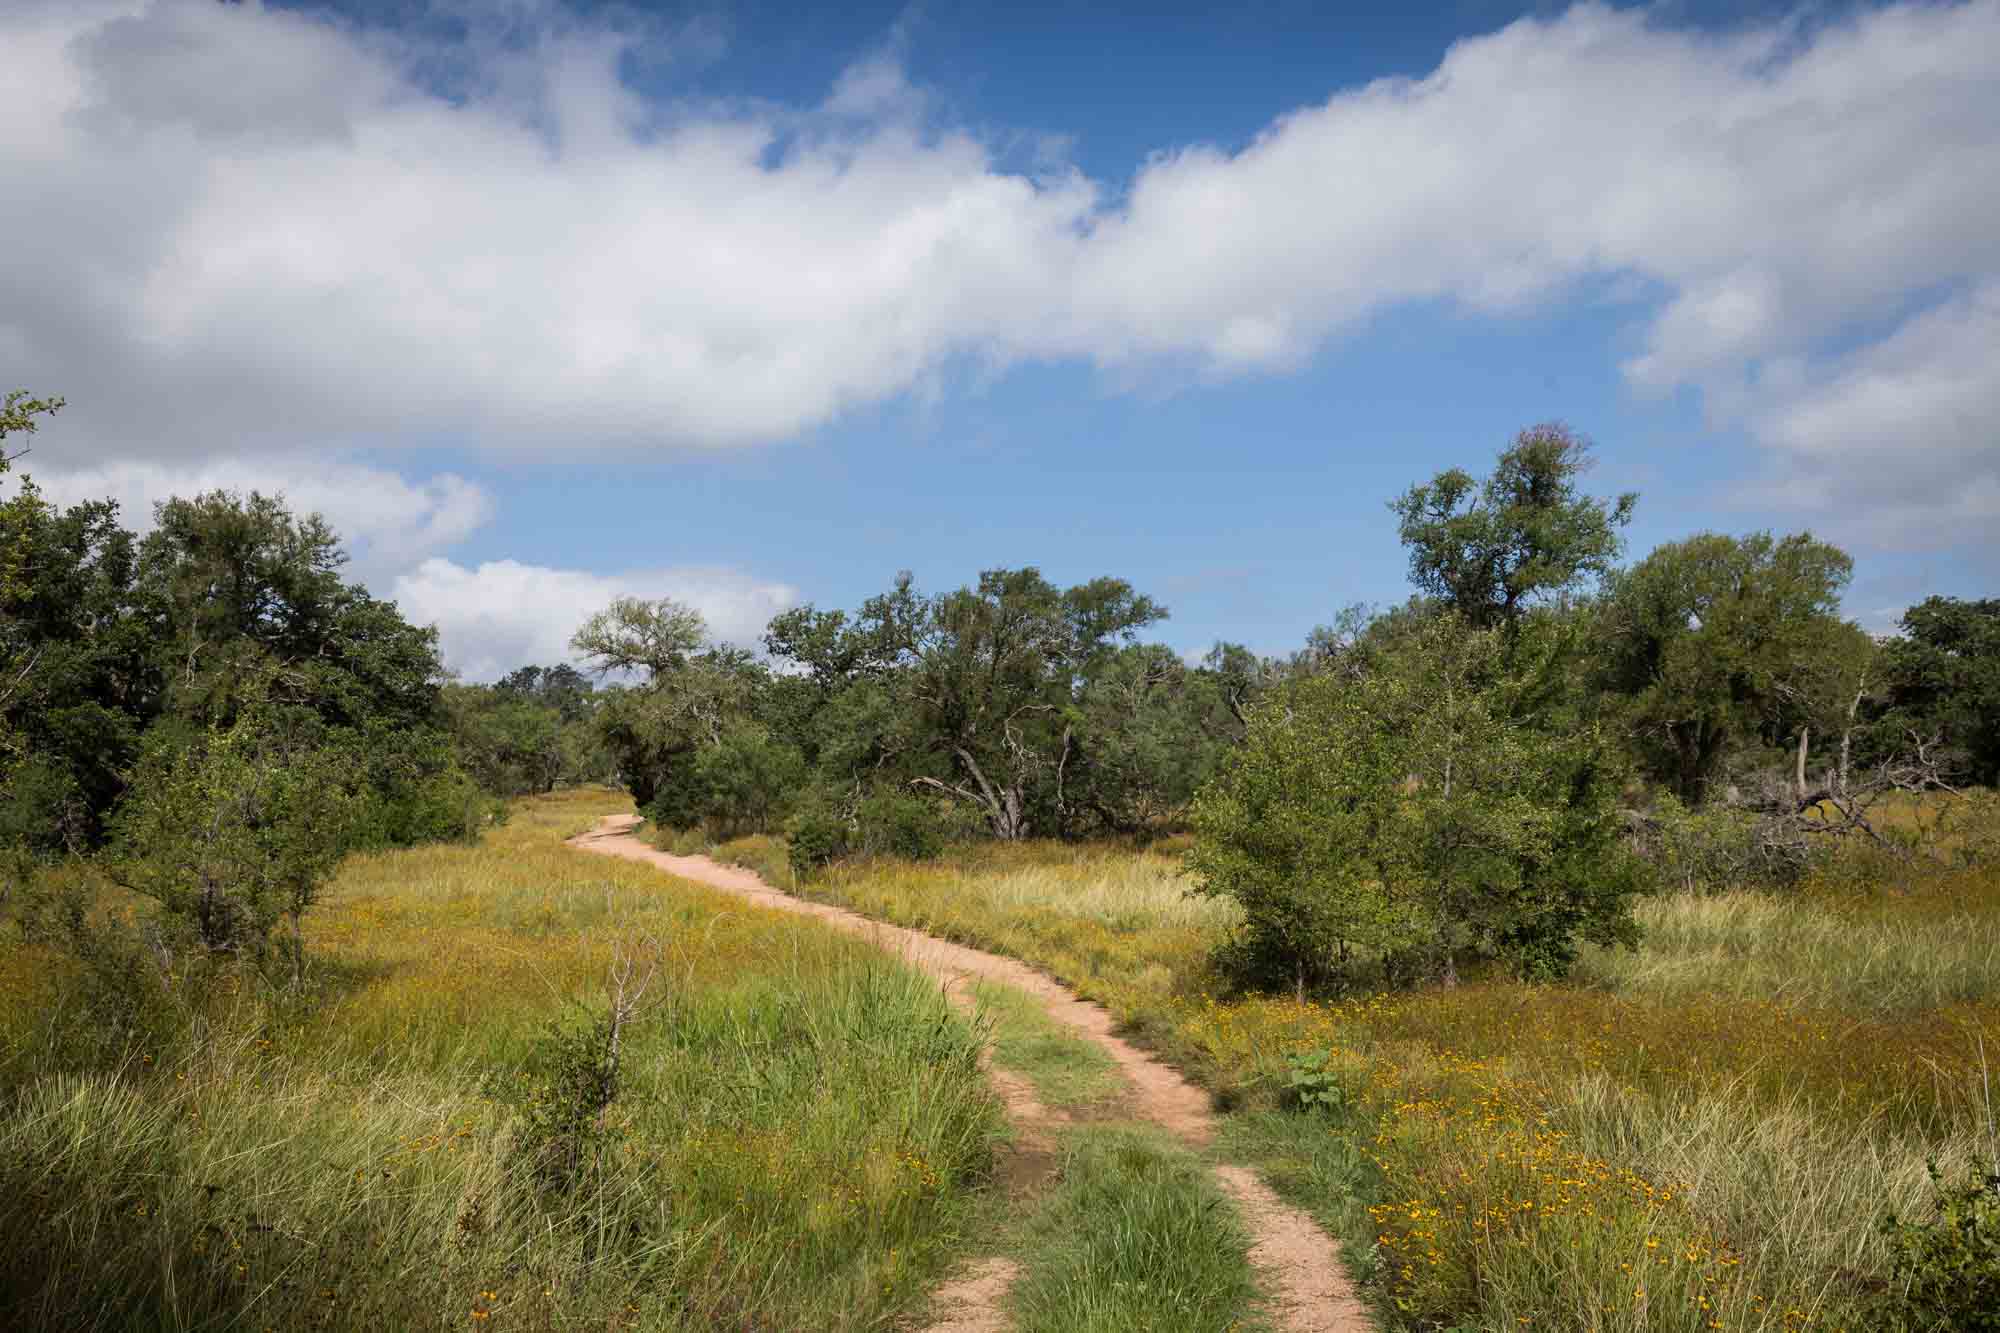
[[1898, 444], [233, 229], [383, 519], [503, 614]]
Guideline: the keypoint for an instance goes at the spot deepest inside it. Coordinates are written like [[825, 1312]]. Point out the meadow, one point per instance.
[[800, 1131], [1706, 1133]]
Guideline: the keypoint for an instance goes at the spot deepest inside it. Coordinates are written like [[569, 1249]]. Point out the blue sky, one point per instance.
[[749, 305]]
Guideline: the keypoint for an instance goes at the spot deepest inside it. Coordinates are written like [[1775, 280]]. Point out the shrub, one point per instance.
[[1706, 851], [817, 838], [41, 807], [1311, 1083], [231, 835], [1425, 813], [562, 1094], [1947, 1269], [125, 989], [746, 779], [895, 824]]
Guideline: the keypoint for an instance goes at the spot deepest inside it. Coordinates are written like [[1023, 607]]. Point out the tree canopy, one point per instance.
[[1716, 640], [1488, 550], [1943, 674]]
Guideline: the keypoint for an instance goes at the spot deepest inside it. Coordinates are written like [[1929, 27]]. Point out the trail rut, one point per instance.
[[1299, 1264]]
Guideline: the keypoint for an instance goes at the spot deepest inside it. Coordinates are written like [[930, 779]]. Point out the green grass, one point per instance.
[[1805, 952], [1131, 1233], [1135, 1236], [1067, 1072], [1750, 1092], [801, 1135]]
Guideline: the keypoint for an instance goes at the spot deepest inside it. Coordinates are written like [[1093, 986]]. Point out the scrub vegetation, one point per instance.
[[1590, 944], [1708, 1132]]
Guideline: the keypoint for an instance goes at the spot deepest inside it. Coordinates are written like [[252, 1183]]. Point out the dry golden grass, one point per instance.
[[1700, 1135]]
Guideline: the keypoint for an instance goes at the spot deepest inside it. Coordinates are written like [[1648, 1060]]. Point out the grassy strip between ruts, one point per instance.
[[1703, 1136], [1131, 1234], [799, 1134], [1134, 1236]]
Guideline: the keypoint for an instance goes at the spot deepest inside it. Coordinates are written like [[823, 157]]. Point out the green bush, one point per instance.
[[232, 835], [817, 837], [562, 1094], [893, 824], [1947, 1269], [1714, 850], [1420, 816], [41, 807], [746, 779], [1311, 1083]]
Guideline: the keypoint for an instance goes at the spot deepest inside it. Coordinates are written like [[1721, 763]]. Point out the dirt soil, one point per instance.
[[1299, 1264]]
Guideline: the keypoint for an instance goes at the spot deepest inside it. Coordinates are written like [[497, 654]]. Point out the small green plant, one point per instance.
[[565, 1089], [1312, 1084], [1947, 1269], [900, 825], [817, 837], [570, 1080]]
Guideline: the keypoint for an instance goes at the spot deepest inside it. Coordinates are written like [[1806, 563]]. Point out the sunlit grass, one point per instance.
[[1065, 1070], [1703, 1134], [800, 1124], [1808, 951], [1135, 1236]]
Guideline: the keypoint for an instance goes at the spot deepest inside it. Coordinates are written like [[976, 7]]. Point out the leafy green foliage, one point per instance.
[[1311, 1082], [1489, 550], [1718, 641], [232, 834], [530, 732], [746, 779], [1424, 813], [892, 823], [122, 650], [816, 838], [1947, 1267], [562, 1093], [1943, 675], [691, 688]]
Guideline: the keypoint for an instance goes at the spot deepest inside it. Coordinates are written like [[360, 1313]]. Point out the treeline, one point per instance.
[[1019, 708], [216, 656], [1458, 775], [1491, 769]]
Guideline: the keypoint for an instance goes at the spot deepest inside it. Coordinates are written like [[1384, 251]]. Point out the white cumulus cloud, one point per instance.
[[1898, 444], [234, 229], [502, 614], [383, 519]]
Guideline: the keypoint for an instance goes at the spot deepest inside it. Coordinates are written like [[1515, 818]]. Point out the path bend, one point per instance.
[[1300, 1264]]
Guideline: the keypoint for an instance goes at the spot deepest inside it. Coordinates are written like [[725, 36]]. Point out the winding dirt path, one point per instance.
[[1300, 1265]]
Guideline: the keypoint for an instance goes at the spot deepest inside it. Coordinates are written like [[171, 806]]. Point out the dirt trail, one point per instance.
[[1299, 1264]]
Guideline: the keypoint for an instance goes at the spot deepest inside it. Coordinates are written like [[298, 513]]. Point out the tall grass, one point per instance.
[[800, 1124], [1704, 1133], [1117, 924], [1806, 952], [1136, 1237]]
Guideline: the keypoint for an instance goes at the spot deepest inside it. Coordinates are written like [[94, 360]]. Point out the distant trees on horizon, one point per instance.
[[1441, 779]]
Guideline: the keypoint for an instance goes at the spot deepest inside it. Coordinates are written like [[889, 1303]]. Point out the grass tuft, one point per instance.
[[1136, 1236]]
